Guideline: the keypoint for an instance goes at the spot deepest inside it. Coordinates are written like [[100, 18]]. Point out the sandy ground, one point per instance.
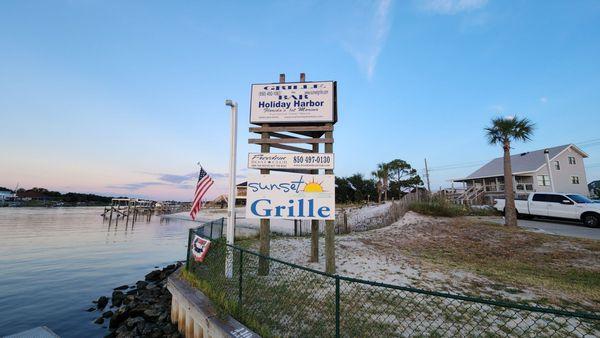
[[374, 255]]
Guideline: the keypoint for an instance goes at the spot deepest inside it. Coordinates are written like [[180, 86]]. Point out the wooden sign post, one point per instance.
[[289, 136]]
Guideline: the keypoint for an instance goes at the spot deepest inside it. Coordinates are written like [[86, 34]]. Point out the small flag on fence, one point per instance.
[[204, 183], [200, 248]]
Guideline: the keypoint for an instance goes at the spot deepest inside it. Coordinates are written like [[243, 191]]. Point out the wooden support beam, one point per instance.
[[290, 148], [329, 225], [290, 128], [314, 224], [299, 171], [282, 136], [290, 140]]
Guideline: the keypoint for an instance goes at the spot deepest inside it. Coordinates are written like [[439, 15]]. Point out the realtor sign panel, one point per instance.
[[290, 161], [293, 102], [291, 196]]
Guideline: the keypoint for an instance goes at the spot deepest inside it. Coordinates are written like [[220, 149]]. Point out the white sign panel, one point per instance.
[[292, 102], [291, 196], [290, 161]]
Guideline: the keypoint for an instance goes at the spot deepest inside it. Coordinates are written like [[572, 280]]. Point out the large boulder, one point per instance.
[[119, 317], [117, 298], [102, 302], [153, 276]]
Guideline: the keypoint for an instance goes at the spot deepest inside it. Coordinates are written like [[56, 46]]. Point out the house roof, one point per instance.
[[527, 162]]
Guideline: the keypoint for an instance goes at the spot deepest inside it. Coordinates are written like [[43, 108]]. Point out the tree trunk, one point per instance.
[[510, 212], [385, 188]]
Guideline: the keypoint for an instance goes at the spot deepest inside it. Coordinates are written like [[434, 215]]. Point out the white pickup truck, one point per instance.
[[557, 205]]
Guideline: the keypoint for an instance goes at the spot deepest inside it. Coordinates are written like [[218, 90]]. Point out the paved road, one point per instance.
[[556, 227]]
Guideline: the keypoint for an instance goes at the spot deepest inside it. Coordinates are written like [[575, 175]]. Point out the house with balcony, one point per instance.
[[559, 169]]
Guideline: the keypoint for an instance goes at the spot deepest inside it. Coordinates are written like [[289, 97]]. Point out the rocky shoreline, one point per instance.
[[140, 310]]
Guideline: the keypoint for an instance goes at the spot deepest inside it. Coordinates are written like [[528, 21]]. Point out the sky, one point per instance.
[[126, 97]]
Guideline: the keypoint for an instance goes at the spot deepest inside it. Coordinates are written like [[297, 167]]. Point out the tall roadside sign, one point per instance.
[[291, 116]]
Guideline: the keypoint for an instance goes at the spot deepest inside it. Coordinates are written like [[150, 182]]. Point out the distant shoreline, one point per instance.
[[8, 205]]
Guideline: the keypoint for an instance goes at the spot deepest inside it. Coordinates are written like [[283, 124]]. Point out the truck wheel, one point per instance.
[[591, 220]]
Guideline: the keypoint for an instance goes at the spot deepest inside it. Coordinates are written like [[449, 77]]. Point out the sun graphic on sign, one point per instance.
[[313, 187]]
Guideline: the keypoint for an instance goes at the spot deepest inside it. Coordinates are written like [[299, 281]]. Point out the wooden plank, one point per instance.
[[281, 135], [290, 140], [267, 128], [290, 148], [299, 171]]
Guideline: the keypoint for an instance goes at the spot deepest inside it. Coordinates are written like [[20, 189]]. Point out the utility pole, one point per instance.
[[427, 176]]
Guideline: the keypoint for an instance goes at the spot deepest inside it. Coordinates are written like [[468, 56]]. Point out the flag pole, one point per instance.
[[231, 199]]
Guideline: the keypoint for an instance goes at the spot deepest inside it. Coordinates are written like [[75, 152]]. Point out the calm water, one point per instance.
[[54, 262]]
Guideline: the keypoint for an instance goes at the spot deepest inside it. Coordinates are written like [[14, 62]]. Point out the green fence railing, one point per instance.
[[277, 298]]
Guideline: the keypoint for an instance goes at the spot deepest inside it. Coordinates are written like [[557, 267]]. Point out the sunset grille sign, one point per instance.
[[293, 161], [293, 102], [291, 196]]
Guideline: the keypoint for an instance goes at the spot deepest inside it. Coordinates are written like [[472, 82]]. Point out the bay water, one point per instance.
[[55, 261]]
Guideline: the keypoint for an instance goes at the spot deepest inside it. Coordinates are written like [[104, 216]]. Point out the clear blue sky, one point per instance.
[[125, 97]]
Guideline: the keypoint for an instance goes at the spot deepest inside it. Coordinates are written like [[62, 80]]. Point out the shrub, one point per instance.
[[440, 208]]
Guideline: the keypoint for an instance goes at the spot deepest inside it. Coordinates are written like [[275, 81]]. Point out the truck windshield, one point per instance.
[[580, 199]]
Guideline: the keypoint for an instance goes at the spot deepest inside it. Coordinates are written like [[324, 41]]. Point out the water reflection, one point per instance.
[[55, 261]]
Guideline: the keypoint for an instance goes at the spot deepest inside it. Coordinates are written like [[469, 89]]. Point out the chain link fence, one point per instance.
[[277, 298]]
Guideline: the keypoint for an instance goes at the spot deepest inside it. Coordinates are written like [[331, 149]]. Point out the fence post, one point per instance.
[[187, 260], [222, 222], [241, 273], [211, 230], [346, 222], [337, 306]]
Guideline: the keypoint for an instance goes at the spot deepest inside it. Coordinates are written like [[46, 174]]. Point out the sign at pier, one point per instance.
[[291, 196], [293, 102], [294, 161]]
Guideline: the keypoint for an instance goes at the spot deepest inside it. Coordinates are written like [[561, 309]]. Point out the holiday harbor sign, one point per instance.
[[291, 196], [292, 161], [293, 102]]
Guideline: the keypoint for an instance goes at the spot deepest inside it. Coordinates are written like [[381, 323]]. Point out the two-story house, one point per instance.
[[559, 168]]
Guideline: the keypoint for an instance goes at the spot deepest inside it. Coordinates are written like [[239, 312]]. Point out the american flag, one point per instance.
[[204, 183]]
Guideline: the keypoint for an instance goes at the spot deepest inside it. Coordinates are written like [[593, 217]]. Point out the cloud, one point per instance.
[[449, 7], [174, 181], [543, 99], [371, 30], [497, 108], [134, 186], [172, 178]]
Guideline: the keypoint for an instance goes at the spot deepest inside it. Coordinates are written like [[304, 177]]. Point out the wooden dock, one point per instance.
[[130, 209], [126, 208]]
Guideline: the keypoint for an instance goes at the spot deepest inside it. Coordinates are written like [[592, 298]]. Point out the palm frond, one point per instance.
[[504, 130]]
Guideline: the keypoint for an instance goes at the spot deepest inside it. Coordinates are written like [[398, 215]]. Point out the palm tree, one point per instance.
[[383, 174], [503, 131]]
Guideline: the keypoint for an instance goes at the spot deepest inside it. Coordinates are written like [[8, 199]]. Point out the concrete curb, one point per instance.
[[196, 316]]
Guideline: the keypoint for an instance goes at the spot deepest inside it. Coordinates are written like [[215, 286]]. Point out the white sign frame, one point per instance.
[[293, 102], [290, 196], [292, 161]]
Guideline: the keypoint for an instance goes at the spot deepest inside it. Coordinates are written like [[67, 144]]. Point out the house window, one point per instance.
[[543, 180], [575, 179], [572, 160], [556, 165]]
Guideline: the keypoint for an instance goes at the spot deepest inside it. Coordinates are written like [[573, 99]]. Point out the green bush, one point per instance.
[[444, 208], [440, 208]]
